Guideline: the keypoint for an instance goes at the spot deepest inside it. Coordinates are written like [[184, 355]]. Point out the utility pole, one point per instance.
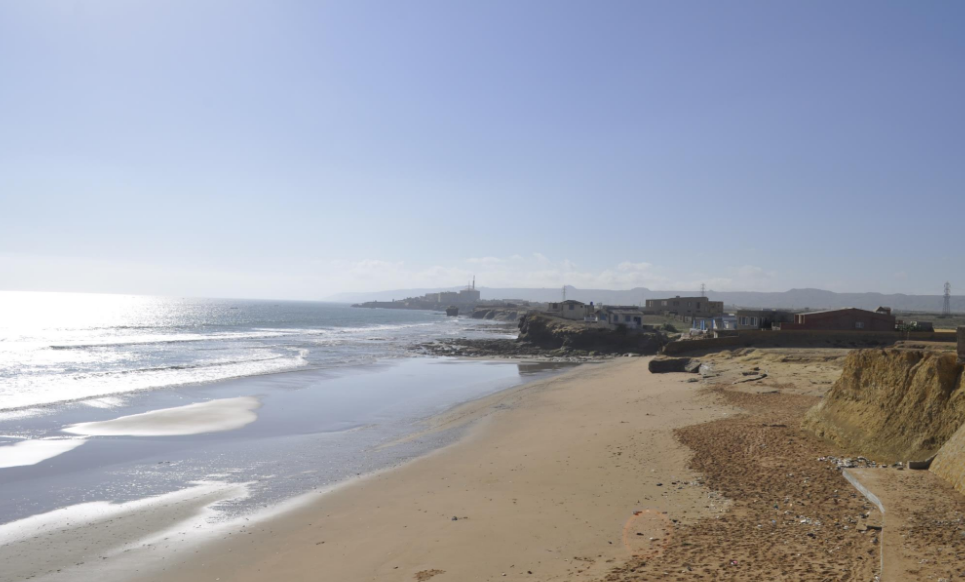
[[947, 303], [564, 292]]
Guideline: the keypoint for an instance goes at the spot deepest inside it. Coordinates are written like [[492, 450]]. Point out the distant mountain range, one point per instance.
[[793, 299]]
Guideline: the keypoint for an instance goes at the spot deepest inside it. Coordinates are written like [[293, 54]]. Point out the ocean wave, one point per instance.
[[260, 333], [59, 389]]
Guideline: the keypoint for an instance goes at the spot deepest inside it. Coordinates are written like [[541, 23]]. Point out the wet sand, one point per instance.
[[562, 479], [158, 473]]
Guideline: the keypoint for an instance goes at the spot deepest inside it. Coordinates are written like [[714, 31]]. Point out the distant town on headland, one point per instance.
[[793, 299]]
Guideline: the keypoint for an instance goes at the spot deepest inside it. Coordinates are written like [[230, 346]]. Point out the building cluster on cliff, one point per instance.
[[704, 315], [698, 313]]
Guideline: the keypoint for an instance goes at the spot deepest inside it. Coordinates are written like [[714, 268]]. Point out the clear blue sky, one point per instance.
[[298, 149]]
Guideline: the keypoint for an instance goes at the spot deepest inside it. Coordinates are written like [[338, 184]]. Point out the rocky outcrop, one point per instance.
[[893, 404], [499, 348], [543, 336], [498, 313], [550, 333], [664, 365]]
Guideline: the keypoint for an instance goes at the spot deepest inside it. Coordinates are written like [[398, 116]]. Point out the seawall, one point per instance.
[[804, 338], [961, 344]]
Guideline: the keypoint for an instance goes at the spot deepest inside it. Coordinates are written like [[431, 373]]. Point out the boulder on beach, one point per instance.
[[664, 365]]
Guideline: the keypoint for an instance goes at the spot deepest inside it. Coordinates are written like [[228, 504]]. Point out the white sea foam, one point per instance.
[[105, 402], [58, 348]]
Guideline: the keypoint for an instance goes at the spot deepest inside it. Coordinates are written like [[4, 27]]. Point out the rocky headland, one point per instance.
[[542, 335], [507, 312]]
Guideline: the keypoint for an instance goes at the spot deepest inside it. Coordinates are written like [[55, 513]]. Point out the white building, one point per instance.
[[631, 317]]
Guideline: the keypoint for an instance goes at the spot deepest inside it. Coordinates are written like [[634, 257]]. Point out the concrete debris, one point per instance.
[[849, 463]]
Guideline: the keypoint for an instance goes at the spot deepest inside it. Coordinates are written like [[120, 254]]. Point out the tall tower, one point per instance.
[[947, 303], [703, 290]]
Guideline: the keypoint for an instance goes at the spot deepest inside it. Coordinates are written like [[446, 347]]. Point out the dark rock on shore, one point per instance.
[[664, 365], [505, 348], [549, 337], [550, 333], [499, 313]]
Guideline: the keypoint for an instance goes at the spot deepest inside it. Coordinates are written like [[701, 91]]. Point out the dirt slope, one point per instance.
[[892, 405]]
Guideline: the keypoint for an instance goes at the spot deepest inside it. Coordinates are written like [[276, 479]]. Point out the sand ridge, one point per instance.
[[218, 415], [33, 451]]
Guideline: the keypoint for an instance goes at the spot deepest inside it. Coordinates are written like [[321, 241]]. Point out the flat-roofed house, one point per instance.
[[685, 306], [570, 309], [629, 316]]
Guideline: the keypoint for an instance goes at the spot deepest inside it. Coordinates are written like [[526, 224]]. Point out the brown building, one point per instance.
[[849, 318], [688, 306]]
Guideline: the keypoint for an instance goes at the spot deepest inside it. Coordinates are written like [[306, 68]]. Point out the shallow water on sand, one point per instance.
[[311, 429]]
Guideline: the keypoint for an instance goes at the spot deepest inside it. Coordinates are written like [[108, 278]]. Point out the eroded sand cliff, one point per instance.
[[893, 404]]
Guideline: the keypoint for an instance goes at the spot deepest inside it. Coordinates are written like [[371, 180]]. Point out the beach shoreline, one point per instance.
[[562, 478], [196, 460], [604, 472]]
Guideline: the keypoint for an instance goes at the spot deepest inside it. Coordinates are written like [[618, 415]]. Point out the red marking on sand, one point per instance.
[[647, 533]]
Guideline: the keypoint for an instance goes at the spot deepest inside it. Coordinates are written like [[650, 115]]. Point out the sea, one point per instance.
[[58, 347], [338, 393]]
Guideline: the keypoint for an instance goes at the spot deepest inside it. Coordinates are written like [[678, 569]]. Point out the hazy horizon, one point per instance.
[[551, 294], [296, 150]]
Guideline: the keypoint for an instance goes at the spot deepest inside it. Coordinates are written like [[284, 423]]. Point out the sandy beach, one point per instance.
[[606, 472], [560, 479]]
